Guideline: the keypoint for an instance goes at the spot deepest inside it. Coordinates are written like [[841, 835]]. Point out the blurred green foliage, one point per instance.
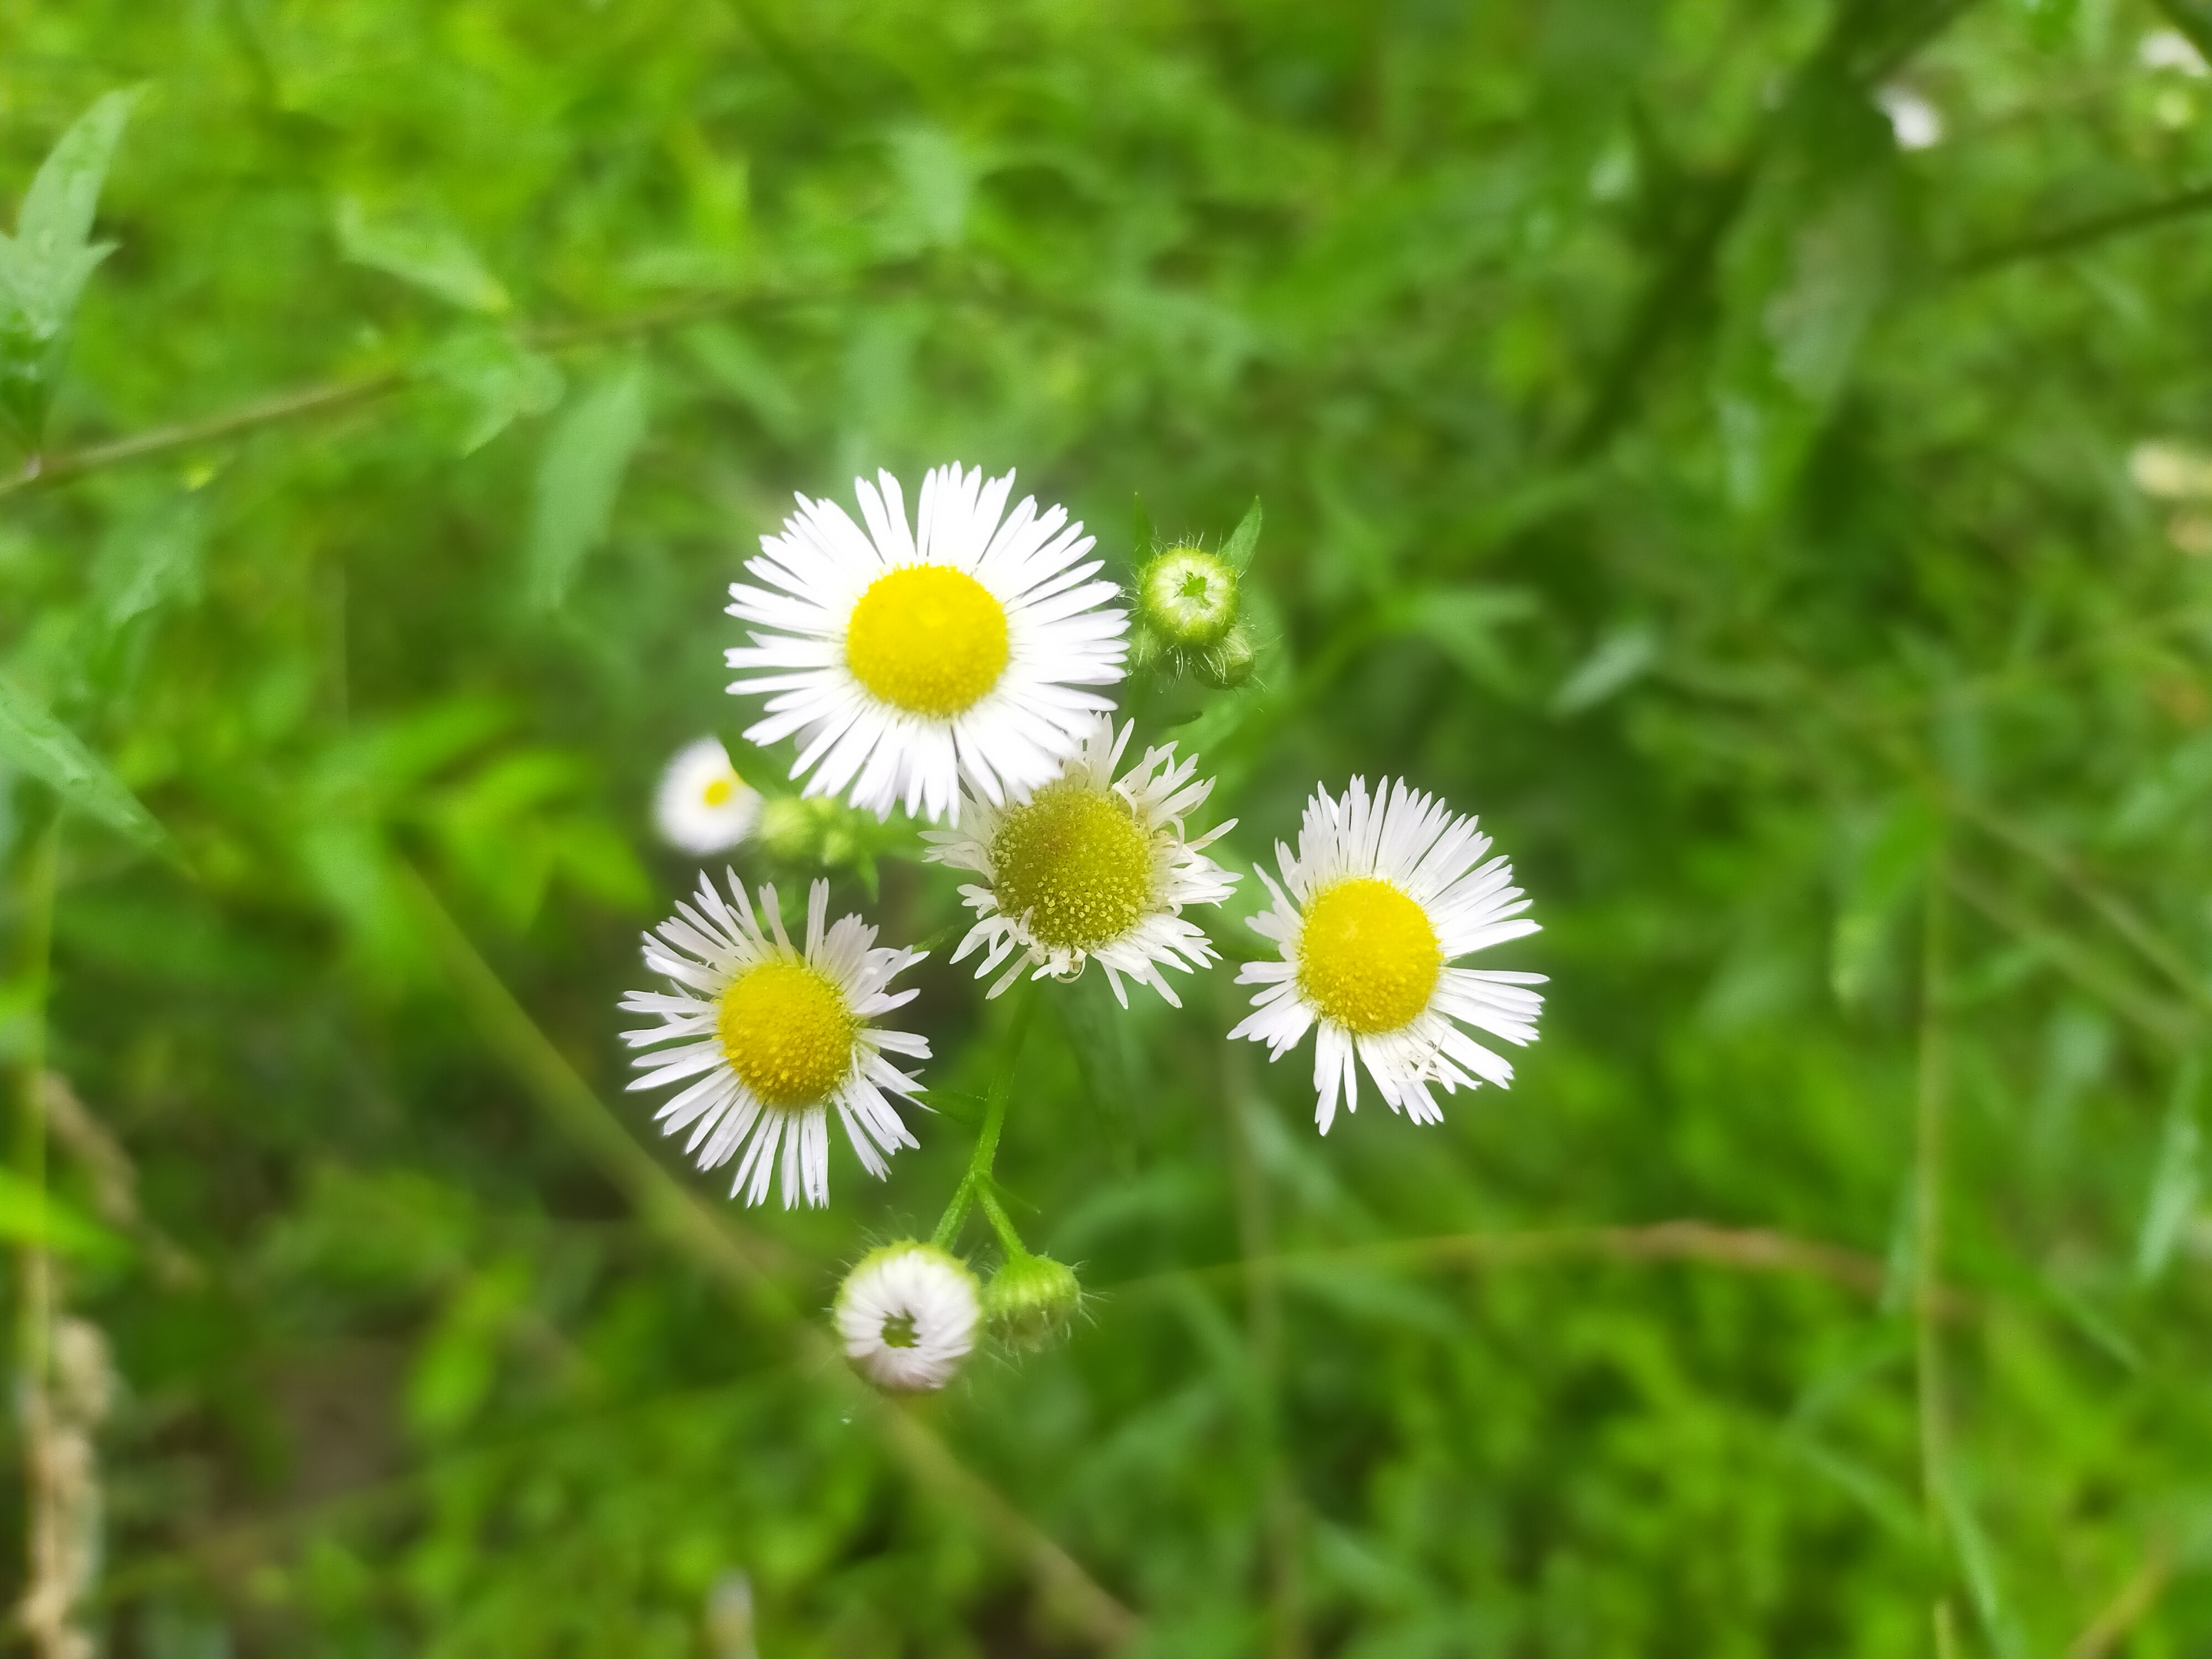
[[1730, 504]]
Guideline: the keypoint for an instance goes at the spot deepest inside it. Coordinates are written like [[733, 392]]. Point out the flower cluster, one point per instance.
[[952, 666]]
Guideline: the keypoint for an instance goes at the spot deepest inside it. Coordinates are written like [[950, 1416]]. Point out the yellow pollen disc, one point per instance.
[[1367, 957], [786, 1032], [1074, 859], [926, 639], [718, 791]]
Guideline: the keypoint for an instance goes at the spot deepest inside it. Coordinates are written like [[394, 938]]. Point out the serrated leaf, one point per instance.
[[33, 741], [45, 265], [1244, 540], [502, 380], [420, 249], [579, 476]]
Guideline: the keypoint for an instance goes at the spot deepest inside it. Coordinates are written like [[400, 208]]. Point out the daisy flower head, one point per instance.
[[771, 1036], [907, 660], [906, 1315], [1386, 892], [703, 805], [1088, 865]]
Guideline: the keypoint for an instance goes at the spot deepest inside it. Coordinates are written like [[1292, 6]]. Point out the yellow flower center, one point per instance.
[[1367, 957], [718, 791], [786, 1032], [927, 639], [1074, 860]]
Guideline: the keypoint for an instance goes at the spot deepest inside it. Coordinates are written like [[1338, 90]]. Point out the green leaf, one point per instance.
[[31, 1215], [32, 741], [501, 380], [1886, 856], [45, 265], [1466, 624], [578, 477], [1619, 658], [1244, 540], [1978, 1565], [1803, 278], [2176, 1182], [422, 249], [151, 558]]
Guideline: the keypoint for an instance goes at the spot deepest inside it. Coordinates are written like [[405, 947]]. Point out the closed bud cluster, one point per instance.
[[1031, 1302], [1189, 610]]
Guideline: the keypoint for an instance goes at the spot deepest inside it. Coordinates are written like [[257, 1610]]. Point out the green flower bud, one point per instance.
[[1188, 596], [788, 829], [1030, 1302], [1227, 665]]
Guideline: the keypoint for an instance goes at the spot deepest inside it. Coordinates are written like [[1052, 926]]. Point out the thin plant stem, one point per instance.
[[33, 1264], [1932, 1087], [976, 1183], [1263, 1309]]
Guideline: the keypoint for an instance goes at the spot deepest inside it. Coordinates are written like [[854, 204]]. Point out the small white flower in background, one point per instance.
[[1385, 892], [2170, 472], [2170, 49], [703, 805], [906, 1314], [780, 1034], [1087, 867], [907, 660], [1915, 122]]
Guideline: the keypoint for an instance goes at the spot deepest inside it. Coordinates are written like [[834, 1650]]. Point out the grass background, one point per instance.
[[1730, 507]]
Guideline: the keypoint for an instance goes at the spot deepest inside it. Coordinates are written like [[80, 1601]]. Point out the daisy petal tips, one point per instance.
[[771, 1037], [906, 659], [1385, 892]]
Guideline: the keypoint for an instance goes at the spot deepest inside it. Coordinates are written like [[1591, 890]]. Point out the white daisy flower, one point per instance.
[[1087, 867], [1382, 897], [703, 805], [777, 1036], [906, 1316], [907, 660]]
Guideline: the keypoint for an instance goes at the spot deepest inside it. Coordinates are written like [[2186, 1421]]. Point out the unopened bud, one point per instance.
[[906, 1317], [1228, 665], [1031, 1301], [1188, 596]]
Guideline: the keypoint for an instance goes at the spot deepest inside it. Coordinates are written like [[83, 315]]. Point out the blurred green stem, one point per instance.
[[976, 1185], [1932, 1085], [33, 1266], [1263, 1307]]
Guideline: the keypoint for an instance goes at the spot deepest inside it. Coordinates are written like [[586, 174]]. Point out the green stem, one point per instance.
[[1927, 1242], [1009, 1240], [30, 1148], [977, 1183]]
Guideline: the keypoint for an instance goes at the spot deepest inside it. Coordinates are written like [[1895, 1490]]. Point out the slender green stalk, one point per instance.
[[975, 1184], [1263, 1306], [34, 1266], [30, 1143], [1933, 1084]]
